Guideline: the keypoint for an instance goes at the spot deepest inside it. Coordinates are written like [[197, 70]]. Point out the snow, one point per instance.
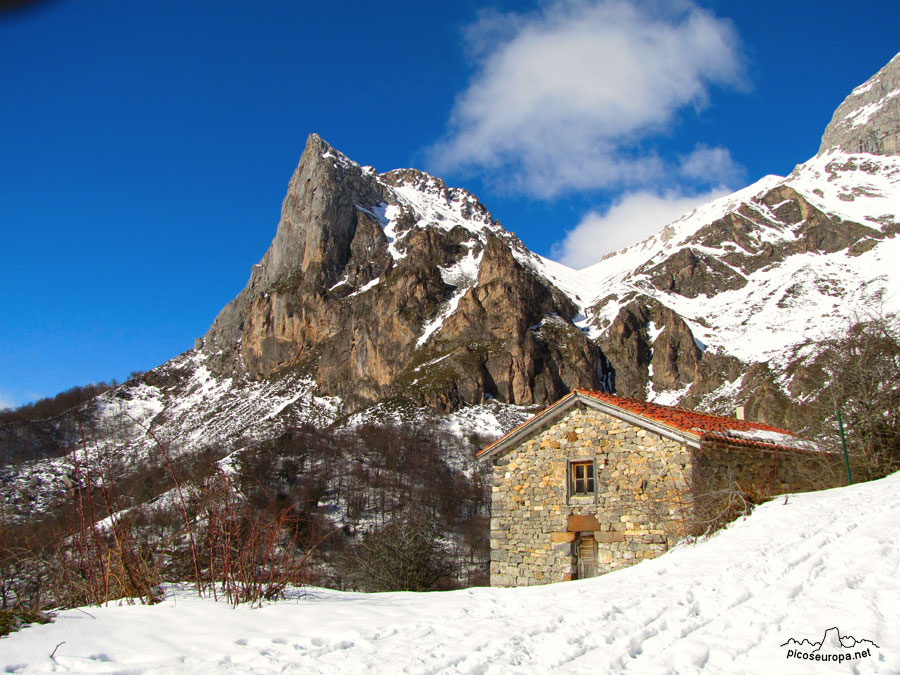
[[795, 570], [362, 289], [725, 395], [620, 263], [437, 322], [463, 274], [339, 158], [433, 205], [864, 87], [862, 115], [613, 274], [490, 419], [783, 306], [787, 304], [869, 184], [445, 208], [388, 217], [430, 363], [668, 396], [777, 438], [653, 331], [201, 411], [387, 214]]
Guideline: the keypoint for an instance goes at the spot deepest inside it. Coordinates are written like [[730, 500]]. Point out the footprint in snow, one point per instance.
[[700, 657]]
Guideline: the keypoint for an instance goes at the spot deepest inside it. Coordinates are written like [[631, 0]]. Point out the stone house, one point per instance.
[[597, 482]]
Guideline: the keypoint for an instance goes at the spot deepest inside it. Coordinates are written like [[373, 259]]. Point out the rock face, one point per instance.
[[868, 121], [651, 345], [394, 292], [371, 278], [765, 263], [394, 287], [749, 280]]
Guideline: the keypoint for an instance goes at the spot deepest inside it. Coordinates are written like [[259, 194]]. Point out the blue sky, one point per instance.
[[145, 146]]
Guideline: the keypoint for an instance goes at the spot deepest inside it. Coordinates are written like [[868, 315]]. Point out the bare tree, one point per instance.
[[404, 555], [860, 368]]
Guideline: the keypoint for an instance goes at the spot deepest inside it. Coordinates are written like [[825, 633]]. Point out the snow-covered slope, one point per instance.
[[181, 409], [759, 276], [808, 294], [801, 568], [178, 408], [383, 295]]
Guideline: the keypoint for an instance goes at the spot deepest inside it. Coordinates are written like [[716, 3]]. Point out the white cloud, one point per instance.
[[562, 98], [629, 220], [710, 165]]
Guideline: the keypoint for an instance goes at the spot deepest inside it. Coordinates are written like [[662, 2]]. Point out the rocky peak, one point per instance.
[[418, 179], [371, 276], [396, 287], [436, 204], [868, 121], [319, 216]]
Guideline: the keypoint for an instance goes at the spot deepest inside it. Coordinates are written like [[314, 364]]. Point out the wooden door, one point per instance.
[[587, 557]]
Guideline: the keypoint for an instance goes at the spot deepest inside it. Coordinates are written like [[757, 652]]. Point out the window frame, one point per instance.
[[571, 479]]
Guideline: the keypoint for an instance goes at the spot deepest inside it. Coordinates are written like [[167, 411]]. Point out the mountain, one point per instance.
[[393, 285], [726, 305], [393, 297]]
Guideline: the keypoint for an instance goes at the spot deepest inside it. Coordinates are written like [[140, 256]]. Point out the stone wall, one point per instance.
[[728, 477], [650, 491], [637, 512]]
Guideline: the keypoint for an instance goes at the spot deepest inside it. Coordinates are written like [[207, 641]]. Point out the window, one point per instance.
[[581, 478]]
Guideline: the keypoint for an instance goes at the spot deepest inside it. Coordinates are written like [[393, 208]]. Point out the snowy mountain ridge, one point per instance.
[[858, 188], [392, 297]]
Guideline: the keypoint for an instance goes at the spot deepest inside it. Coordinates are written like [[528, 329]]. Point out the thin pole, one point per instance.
[[844, 443]]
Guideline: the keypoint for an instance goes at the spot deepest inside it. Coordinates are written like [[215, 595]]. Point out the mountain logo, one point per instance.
[[832, 647]]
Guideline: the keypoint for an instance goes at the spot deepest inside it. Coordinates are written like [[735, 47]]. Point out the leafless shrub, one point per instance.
[[861, 370], [403, 555], [251, 555]]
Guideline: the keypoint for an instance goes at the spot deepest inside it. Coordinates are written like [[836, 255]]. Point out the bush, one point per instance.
[[12, 620], [861, 370], [404, 555]]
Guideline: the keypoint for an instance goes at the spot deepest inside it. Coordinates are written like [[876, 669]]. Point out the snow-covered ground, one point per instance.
[[794, 570]]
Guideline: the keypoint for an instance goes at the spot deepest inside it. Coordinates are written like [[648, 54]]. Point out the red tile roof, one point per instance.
[[681, 418], [701, 425]]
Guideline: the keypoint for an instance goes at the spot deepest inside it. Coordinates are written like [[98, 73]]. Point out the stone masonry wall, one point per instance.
[[638, 510], [726, 477]]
